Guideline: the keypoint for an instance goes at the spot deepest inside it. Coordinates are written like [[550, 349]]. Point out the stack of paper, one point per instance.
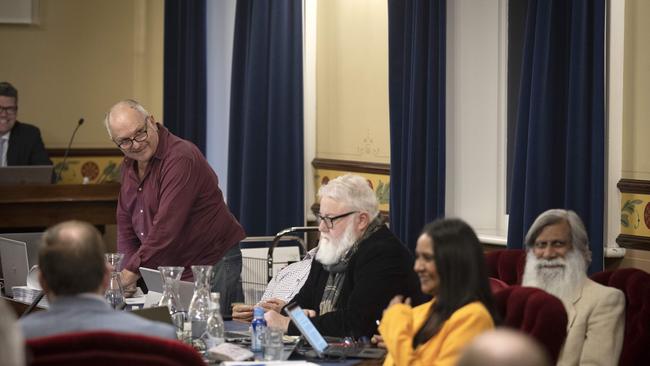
[[27, 294]]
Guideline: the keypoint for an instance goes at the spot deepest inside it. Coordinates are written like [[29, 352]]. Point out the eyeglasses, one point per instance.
[[555, 244], [140, 136], [9, 110], [329, 220]]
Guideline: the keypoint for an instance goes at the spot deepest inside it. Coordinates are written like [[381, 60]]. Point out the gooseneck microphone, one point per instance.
[[67, 150]]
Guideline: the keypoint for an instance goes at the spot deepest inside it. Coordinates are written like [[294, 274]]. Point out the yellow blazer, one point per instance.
[[400, 323]]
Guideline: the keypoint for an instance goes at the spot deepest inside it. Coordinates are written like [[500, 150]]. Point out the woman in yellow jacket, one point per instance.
[[449, 261]]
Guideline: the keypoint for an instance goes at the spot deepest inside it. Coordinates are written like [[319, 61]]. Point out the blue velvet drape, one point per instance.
[[265, 169], [559, 157], [417, 51], [184, 94]]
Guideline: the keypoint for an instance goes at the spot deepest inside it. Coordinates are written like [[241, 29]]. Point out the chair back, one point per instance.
[[506, 265], [107, 348], [497, 285], [635, 284], [536, 313]]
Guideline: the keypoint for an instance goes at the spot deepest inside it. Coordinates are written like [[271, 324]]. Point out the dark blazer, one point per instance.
[[381, 268], [26, 146]]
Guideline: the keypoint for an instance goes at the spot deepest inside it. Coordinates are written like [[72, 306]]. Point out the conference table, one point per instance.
[[40, 206], [232, 325]]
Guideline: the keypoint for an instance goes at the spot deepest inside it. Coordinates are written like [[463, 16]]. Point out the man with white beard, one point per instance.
[[557, 259], [360, 265]]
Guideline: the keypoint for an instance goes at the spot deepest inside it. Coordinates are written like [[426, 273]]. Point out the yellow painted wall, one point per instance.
[[636, 94], [80, 58], [636, 125], [352, 81]]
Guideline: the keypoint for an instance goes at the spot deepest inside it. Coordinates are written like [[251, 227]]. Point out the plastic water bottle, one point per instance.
[[258, 328], [214, 334]]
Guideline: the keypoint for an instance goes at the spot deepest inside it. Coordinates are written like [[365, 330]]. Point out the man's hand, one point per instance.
[[275, 320], [129, 280], [378, 341], [242, 313], [273, 304]]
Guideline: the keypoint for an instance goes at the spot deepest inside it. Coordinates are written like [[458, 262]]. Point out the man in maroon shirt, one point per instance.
[[170, 210]]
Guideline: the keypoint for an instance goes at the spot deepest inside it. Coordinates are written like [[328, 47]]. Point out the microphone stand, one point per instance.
[[67, 150]]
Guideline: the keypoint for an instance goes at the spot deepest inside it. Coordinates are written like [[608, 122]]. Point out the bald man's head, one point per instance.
[[503, 347], [71, 258]]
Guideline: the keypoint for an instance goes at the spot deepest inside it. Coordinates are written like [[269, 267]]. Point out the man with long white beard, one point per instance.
[[557, 260], [360, 265]]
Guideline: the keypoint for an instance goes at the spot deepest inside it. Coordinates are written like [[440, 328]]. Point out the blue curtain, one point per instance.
[[416, 61], [265, 169], [560, 145], [184, 72]]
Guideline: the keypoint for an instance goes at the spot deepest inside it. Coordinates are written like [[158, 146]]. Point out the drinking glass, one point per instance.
[[272, 345]]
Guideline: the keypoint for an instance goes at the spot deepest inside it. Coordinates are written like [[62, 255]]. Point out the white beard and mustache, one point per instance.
[[561, 277], [330, 250]]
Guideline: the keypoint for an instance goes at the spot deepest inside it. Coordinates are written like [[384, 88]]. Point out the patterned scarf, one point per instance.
[[337, 271]]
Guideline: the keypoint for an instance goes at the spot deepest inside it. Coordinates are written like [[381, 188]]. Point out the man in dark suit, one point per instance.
[[20, 143]]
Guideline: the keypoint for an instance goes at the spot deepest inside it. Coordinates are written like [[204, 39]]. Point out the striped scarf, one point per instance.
[[337, 271]]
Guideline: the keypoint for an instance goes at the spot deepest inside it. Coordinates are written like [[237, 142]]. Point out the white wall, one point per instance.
[[476, 115], [220, 16]]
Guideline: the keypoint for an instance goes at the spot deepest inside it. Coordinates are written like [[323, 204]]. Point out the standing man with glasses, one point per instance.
[[20, 143], [170, 210], [359, 267]]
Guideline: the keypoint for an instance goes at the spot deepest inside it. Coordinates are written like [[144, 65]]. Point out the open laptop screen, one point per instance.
[[15, 267], [306, 328], [26, 174]]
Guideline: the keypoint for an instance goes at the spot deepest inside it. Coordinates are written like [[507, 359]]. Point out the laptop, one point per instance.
[[320, 345], [159, 314], [15, 265], [154, 282], [26, 174]]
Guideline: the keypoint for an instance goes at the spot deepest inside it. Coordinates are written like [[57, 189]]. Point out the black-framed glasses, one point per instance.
[[329, 220], [140, 136], [9, 110]]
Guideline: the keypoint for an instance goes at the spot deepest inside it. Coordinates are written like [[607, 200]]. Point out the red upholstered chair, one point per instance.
[[506, 265], [635, 284], [99, 348], [536, 313], [497, 285]]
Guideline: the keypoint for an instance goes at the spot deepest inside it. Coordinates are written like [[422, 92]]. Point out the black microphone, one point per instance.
[[67, 150]]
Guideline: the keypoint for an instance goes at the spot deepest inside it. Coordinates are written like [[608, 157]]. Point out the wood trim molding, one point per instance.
[[633, 242], [634, 186], [85, 152], [351, 166]]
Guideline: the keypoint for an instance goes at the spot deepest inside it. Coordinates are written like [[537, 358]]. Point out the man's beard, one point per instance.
[[330, 250], [562, 277]]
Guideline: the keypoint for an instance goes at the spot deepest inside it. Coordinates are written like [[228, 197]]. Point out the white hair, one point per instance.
[[560, 277], [579, 238], [353, 191], [129, 103]]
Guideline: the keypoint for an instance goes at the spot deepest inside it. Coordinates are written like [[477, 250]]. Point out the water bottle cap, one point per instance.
[[258, 312]]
